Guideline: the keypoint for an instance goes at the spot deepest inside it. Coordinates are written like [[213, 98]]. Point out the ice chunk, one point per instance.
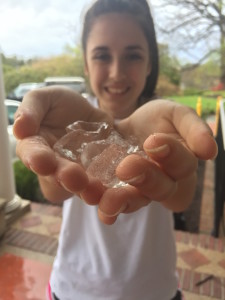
[[98, 147]]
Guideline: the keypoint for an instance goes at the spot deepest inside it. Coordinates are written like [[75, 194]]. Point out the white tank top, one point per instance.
[[133, 259]]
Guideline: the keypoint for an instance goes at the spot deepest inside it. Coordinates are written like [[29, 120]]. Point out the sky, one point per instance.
[[43, 28], [40, 28]]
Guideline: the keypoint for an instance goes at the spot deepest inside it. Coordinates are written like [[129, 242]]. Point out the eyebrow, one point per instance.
[[130, 48], [100, 48], [134, 47]]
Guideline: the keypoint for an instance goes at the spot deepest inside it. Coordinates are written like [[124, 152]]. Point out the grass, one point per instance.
[[208, 104], [208, 101]]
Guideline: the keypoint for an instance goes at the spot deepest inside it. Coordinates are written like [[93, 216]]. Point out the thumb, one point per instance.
[[25, 124], [30, 114]]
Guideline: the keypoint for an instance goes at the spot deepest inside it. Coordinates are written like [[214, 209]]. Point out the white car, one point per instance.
[[77, 84], [19, 92], [11, 108]]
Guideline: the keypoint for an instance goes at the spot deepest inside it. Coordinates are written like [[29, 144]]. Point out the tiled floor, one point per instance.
[[29, 245], [22, 278], [27, 252]]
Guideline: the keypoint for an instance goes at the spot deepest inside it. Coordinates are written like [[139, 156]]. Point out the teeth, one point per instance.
[[116, 91]]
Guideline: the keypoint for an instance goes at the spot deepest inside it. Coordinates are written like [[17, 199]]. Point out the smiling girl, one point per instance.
[[135, 258]]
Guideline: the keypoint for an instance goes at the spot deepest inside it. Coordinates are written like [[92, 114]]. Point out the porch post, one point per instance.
[[7, 182]]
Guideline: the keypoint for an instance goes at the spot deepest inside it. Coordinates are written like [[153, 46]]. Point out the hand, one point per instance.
[[176, 138], [43, 116], [39, 122]]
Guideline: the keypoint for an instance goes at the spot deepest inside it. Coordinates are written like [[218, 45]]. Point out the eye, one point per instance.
[[102, 57], [134, 56]]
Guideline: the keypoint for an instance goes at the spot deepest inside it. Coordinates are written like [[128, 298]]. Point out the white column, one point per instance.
[[7, 182]]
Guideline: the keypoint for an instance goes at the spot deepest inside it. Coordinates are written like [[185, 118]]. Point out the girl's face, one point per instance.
[[117, 63]]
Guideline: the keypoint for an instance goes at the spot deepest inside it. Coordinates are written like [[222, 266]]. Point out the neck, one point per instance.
[[118, 114]]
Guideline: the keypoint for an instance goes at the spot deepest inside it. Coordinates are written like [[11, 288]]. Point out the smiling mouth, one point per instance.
[[116, 91]]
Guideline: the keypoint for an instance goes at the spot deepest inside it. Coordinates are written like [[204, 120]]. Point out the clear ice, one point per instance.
[[98, 147]]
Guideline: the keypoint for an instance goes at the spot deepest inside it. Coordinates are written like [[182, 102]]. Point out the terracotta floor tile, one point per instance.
[[30, 221], [222, 264], [54, 228], [194, 258], [22, 279]]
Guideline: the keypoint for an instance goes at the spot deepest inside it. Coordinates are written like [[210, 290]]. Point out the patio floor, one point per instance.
[[28, 247]]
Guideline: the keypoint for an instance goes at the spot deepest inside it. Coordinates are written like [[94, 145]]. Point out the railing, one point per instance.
[[219, 171]]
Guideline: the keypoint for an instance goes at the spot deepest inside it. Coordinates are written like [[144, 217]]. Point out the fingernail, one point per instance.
[[17, 118], [136, 180], [122, 209], [161, 151], [64, 187], [30, 167]]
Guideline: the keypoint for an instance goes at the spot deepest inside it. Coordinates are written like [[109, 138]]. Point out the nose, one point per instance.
[[117, 70]]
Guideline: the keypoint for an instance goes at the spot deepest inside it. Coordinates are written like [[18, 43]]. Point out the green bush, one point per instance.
[[165, 88], [192, 92], [214, 94], [27, 186]]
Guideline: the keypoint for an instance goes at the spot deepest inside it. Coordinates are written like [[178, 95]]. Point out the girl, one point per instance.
[[135, 258]]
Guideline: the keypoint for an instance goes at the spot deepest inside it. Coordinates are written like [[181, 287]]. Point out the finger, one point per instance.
[[25, 125], [43, 161], [172, 155], [48, 107], [195, 132], [71, 176], [150, 180], [120, 200], [29, 115], [36, 155], [92, 192], [105, 219], [53, 107]]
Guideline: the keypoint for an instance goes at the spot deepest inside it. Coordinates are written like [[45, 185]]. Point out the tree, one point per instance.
[[36, 70], [77, 53], [169, 65], [203, 78], [12, 61], [197, 24]]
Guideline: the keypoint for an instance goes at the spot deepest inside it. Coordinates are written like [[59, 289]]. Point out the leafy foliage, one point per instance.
[[205, 77], [169, 65], [16, 72], [13, 61], [165, 88], [27, 186]]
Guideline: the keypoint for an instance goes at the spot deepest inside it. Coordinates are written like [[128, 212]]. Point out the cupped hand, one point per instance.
[[39, 122], [174, 138]]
